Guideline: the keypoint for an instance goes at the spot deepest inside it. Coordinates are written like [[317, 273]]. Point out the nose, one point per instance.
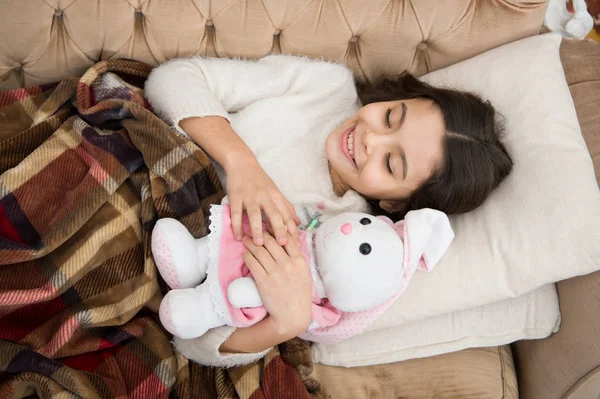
[[368, 142], [372, 140], [346, 228]]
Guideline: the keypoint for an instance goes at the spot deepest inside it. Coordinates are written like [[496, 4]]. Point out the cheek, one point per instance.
[[328, 146], [372, 181], [332, 147], [377, 183], [369, 113]]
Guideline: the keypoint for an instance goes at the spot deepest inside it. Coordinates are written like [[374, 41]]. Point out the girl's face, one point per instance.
[[388, 149]]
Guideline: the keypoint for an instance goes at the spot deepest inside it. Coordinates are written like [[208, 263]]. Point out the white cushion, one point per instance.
[[533, 315], [540, 226]]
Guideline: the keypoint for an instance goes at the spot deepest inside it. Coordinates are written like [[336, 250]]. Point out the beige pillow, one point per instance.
[[530, 316], [542, 224]]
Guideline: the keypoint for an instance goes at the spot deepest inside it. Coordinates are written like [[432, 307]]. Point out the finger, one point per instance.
[[261, 254], [293, 212], [236, 209], [289, 219], [275, 250], [276, 222], [293, 248], [256, 226], [254, 265], [268, 228], [292, 229]]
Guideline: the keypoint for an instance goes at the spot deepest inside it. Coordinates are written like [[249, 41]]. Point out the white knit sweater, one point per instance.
[[283, 107]]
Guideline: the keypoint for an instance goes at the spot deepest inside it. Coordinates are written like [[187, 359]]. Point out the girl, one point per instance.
[[296, 139]]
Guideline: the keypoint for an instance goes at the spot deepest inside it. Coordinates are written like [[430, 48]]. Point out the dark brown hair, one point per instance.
[[474, 159]]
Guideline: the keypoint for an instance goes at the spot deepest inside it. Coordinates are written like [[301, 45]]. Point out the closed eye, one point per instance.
[[388, 163], [387, 118]]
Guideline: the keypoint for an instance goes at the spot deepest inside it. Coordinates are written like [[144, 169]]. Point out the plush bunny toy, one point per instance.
[[359, 264]]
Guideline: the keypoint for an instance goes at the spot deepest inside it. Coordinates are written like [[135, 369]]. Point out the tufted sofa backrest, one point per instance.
[[47, 40]]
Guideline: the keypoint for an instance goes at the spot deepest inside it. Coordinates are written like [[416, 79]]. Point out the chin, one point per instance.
[[349, 186]]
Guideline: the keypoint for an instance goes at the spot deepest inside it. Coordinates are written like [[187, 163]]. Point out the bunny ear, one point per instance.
[[427, 234]]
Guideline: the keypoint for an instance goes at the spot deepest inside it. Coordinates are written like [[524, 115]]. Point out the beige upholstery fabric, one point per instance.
[[468, 374], [581, 61], [47, 40]]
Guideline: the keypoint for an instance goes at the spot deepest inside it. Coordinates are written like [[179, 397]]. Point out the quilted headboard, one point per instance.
[[46, 40]]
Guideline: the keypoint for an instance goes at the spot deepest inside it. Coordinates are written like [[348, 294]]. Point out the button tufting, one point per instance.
[[353, 39], [58, 12], [209, 23], [18, 69], [277, 32], [423, 46]]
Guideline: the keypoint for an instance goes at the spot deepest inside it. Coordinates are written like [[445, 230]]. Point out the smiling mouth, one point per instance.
[[348, 144]]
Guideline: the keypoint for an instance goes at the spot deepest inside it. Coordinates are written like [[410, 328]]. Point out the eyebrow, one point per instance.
[[402, 154], [403, 116], [405, 168]]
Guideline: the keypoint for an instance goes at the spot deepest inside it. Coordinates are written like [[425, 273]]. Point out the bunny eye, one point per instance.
[[365, 248], [365, 221]]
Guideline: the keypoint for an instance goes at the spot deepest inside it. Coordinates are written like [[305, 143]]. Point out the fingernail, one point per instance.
[[282, 240]]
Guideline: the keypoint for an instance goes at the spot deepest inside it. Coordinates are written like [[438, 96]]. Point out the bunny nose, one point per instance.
[[346, 228]]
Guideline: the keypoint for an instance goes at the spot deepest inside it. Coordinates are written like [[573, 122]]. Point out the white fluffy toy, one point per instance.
[[359, 265]]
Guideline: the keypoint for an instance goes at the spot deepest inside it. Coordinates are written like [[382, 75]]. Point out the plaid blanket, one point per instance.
[[86, 169]]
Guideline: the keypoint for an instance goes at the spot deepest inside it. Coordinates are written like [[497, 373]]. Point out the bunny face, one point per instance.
[[360, 260]]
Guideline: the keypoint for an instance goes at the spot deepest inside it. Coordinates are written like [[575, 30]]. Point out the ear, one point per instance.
[[392, 206], [427, 235]]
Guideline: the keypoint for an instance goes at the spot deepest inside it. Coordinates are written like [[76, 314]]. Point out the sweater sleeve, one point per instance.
[[202, 86], [205, 349]]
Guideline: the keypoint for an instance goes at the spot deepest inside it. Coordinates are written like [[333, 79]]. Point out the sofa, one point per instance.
[[46, 41]]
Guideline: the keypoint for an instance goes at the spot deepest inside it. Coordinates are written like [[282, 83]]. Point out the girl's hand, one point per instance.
[[249, 188], [284, 282]]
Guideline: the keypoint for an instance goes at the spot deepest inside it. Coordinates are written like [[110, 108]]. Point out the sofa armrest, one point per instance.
[[549, 368], [567, 364]]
